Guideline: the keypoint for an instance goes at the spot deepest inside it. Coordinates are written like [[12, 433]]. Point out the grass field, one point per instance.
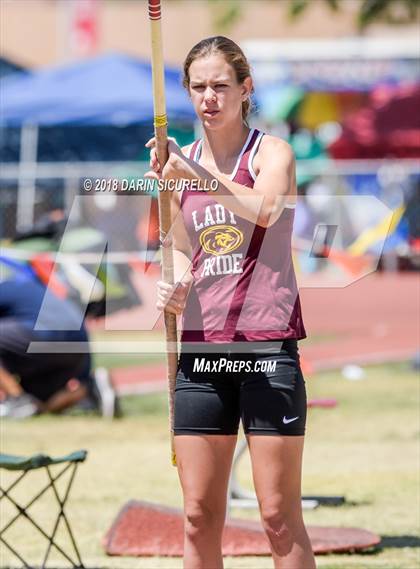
[[367, 448]]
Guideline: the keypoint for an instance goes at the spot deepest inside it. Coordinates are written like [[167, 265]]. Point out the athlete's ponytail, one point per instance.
[[233, 55]]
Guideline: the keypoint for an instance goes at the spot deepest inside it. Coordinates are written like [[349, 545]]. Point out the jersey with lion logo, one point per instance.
[[244, 286]]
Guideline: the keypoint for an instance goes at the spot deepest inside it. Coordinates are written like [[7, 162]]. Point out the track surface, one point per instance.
[[144, 529]]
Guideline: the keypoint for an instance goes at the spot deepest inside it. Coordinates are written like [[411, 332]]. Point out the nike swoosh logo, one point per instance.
[[286, 420]]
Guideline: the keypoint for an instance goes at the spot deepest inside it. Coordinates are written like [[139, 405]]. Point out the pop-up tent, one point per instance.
[[110, 89], [389, 127], [95, 110], [73, 113], [8, 67]]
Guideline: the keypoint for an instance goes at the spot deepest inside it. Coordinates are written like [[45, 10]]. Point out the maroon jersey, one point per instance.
[[244, 285]]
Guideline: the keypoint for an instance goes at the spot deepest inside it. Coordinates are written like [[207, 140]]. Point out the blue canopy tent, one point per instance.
[[90, 99], [110, 89], [9, 67]]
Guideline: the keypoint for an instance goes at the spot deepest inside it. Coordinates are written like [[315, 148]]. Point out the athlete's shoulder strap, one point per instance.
[[192, 155], [254, 145], [194, 150]]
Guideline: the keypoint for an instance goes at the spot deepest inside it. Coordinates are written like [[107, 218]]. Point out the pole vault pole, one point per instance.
[[160, 123]]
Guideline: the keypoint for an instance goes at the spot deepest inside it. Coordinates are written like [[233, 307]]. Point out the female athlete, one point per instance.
[[236, 288]]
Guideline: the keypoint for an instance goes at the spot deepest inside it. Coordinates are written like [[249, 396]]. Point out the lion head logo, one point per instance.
[[221, 239]]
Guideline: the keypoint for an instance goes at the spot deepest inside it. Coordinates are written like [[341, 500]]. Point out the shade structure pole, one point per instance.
[[26, 192]]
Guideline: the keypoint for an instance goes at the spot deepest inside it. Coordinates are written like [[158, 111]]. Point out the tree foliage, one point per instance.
[[392, 12], [227, 13]]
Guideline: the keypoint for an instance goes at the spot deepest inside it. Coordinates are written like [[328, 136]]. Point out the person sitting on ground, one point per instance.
[[50, 380]]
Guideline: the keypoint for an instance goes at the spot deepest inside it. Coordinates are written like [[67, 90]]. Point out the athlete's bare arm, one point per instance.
[[266, 165], [275, 173], [275, 181]]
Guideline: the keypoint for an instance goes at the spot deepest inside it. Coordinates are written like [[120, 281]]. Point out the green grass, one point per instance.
[[109, 356], [112, 361], [367, 448]]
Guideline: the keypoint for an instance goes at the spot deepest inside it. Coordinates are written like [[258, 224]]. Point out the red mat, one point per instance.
[[145, 529]]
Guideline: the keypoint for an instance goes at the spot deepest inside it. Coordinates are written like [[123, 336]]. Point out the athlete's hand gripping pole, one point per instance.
[[160, 123]]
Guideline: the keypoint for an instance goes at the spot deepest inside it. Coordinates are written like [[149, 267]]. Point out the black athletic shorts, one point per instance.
[[264, 387]]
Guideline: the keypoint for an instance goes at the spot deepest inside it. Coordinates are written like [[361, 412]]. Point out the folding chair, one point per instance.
[[23, 466]]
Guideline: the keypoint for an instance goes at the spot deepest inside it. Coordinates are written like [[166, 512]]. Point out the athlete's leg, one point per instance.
[[204, 463], [206, 426], [273, 406], [276, 467]]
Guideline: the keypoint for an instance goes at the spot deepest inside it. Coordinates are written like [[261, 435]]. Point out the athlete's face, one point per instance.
[[215, 93]]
